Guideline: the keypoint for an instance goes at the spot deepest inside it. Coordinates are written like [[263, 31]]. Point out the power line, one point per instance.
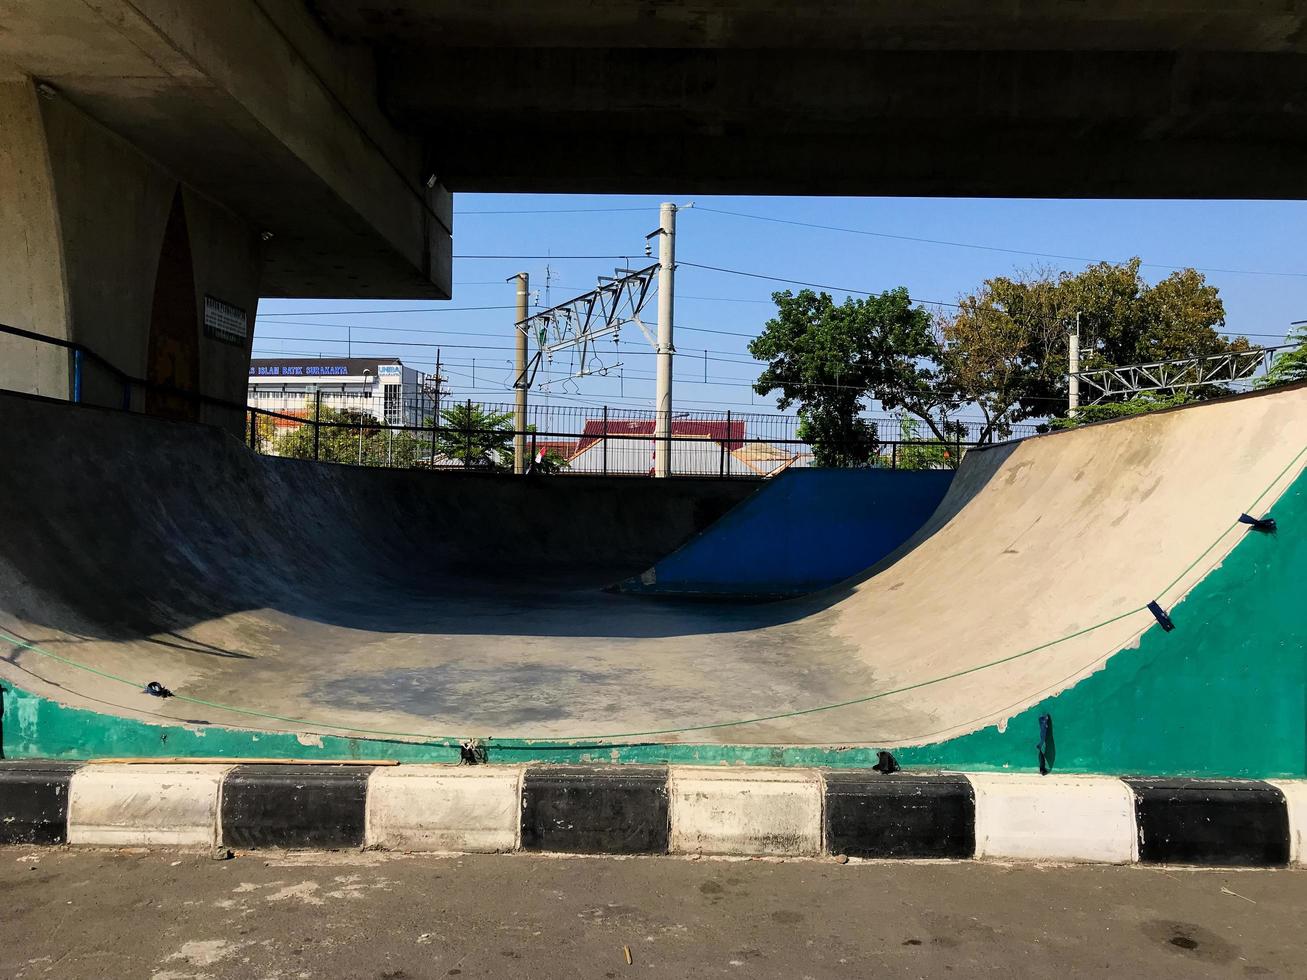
[[627, 255], [814, 285], [561, 211], [422, 309], [985, 248]]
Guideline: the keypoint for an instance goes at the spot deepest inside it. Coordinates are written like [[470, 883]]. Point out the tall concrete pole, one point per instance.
[[1073, 350], [666, 348], [519, 362]]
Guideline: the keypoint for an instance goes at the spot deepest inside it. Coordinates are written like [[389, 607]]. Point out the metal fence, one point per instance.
[[409, 428], [345, 425]]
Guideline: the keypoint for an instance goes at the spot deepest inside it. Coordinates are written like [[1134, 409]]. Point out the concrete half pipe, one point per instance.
[[326, 612]]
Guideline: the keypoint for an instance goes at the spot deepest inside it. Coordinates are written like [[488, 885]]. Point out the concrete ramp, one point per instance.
[[332, 606], [802, 531]]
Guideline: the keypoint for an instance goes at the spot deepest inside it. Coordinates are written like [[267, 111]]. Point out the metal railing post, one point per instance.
[[721, 464], [317, 423], [254, 428], [605, 440], [467, 452], [894, 456], [77, 375]]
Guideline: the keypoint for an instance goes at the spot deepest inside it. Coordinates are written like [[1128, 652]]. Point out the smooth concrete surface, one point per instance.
[[444, 808], [1054, 818], [86, 915], [145, 805], [1295, 797], [773, 812], [366, 600], [1156, 98], [255, 107]]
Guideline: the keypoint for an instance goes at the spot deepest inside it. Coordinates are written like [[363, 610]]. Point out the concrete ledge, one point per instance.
[[1201, 821], [471, 809], [1054, 818], [656, 810], [145, 805], [745, 811], [899, 816], [34, 802], [294, 806], [1295, 798]]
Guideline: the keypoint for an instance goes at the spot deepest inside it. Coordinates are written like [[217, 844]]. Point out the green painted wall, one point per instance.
[[1225, 694]]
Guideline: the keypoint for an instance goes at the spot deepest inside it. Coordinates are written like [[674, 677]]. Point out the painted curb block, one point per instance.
[[431, 808], [756, 811], [34, 802], [657, 810], [1201, 821], [902, 815], [1057, 818], [142, 806], [574, 810], [292, 806]]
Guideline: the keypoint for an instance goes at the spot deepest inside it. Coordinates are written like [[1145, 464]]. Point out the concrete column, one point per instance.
[[519, 364], [83, 217], [666, 345], [32, 289]]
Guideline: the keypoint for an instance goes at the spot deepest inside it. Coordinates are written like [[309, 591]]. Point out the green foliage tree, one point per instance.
[[1141, 405], [913, 453], [351, 436], [1005, 348], [1290, 366], [475, 437], [831, 359]]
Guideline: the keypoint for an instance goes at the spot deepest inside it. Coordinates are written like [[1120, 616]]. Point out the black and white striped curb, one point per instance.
[[658, 810]]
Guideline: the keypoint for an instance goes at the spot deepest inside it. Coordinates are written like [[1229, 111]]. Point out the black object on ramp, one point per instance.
[[1200, 821], [34, 801], [622, 810], [900, 815], [294, 806]]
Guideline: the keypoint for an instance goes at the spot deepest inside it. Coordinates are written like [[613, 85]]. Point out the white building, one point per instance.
[[387, 389]]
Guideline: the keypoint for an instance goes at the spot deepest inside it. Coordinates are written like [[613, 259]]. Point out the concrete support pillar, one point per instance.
[[101, 247]]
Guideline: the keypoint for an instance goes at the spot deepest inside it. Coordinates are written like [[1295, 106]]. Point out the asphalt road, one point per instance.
[[174, 916]]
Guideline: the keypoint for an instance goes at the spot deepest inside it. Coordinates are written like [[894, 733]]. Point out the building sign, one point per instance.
[[225, 322], [317, 370], [390, 373]]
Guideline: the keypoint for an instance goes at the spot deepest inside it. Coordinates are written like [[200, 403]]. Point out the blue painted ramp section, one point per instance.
[[803, 531]]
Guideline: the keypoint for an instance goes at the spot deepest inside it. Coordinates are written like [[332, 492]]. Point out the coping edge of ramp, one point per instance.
[[658, 810]]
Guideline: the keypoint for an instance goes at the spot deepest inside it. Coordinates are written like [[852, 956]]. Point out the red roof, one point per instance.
[[730, 434]]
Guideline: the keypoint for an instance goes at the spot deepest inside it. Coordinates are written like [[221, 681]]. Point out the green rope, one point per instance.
[[600, 741]]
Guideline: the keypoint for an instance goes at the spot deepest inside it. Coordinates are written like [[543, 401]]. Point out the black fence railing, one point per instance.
[[393, 425], [342, 425]]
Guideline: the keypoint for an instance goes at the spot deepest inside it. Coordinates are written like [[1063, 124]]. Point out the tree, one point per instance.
[[1290, 366], [1005, 348], [476, 437], [831, 359], [350, 436]]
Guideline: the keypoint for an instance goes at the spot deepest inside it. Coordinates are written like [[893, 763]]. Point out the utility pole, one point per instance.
[[519, 364], [1073, 350], [666, 348]]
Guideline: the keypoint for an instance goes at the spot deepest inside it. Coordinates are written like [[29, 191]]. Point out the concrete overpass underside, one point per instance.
[[158, 155]]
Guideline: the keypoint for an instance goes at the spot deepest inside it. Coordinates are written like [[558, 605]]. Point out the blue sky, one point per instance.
[[1253, 251]]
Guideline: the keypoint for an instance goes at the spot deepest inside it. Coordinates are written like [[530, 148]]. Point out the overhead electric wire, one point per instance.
[[813, 285], [985, 248]]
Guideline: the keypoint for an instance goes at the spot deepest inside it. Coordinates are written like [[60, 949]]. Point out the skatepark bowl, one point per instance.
[[322, 611]]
